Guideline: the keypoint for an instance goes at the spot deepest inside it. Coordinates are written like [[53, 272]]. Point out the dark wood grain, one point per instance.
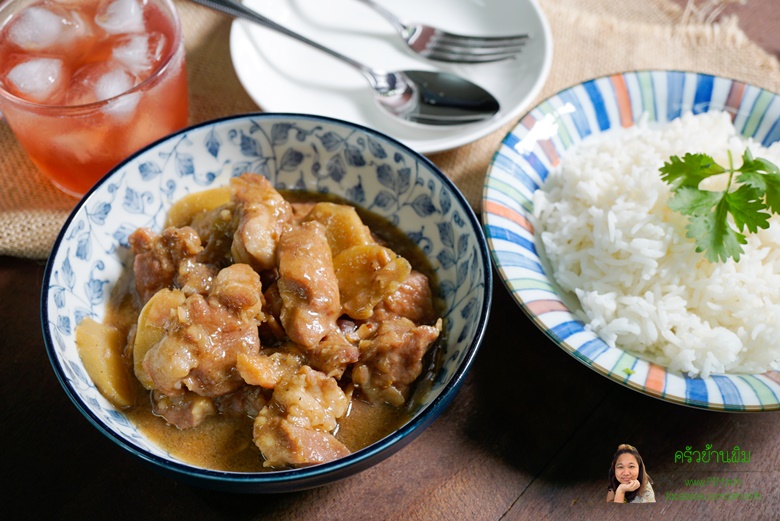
[[529, 436]]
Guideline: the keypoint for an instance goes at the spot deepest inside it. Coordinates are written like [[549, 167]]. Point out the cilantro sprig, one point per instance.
[[752, 193]]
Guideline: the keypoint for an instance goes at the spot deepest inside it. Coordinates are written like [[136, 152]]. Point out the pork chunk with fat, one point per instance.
[[185, 411], [268, 369], [262, 215], [295, 427], [333, 354], [391, 359], [202, 342], [247, 401], [412, 300], [307, 284], [158, 256]]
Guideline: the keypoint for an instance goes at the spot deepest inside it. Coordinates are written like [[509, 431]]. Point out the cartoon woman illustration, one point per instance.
[[628, 479]]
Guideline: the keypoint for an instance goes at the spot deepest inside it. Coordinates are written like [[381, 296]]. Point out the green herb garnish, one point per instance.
[[749, 197]]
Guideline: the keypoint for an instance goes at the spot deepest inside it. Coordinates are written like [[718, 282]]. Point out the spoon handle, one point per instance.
[[238, 10]]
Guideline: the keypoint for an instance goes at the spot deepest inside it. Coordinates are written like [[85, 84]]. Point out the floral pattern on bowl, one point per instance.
[[294, 152]]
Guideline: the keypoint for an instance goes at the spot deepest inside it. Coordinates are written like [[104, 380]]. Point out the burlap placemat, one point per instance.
[[590, 38]]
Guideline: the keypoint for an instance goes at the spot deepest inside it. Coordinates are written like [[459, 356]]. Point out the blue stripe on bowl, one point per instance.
[[773, 134], [728, 391], [591, 350], [674, 86], [594, 93], [516, 260], [566, 329], [537, 164], [517, 172], [511, 141], [704, 87], [511, 236], [577, 116], [769, 116], [695, 390]]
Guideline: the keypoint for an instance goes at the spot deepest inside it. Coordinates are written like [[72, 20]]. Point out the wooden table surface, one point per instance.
[[515, 443]]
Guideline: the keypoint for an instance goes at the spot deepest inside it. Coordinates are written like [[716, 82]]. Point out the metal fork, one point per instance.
[[435, 44]]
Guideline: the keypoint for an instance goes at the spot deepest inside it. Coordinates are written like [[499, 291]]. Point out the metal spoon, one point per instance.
[[426, 97]]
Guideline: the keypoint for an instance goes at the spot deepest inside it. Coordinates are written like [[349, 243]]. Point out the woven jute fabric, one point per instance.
[[590, 38]]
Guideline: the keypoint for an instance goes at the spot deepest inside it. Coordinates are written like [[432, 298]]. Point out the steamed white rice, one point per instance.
[[611, 240]]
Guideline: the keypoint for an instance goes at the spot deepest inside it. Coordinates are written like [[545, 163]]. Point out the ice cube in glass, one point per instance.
[[37, 79], [120, 16]]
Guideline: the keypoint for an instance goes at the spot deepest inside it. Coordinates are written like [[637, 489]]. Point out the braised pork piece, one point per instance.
[[252, 319]]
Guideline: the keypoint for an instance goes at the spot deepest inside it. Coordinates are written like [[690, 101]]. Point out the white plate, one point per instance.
[[283, 75]]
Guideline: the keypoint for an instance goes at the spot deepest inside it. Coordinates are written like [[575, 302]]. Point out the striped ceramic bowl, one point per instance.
[[537, 144]]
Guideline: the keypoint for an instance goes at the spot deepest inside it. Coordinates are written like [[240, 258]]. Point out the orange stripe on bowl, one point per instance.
[[549, 150], [538, 307], [734, 99], [509, 214], [528, 121], [773, 375], [623, 100], [656, 379]]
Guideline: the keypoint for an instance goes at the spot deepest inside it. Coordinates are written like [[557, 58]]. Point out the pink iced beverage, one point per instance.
[[85, 83]]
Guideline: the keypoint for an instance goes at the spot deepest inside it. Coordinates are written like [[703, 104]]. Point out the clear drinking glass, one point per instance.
[[85, 83]]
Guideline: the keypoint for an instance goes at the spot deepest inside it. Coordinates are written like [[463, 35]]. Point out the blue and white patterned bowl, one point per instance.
[[540, 141], [295, 152]]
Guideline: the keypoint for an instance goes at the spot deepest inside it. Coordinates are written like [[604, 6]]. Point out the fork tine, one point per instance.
[[468, 49], [460, 57], [450, 39], [466, 54]]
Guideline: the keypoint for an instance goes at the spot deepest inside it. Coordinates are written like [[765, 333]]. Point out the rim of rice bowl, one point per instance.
[[617, 283]]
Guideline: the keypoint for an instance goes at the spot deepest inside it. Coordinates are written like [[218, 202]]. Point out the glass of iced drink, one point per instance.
[[85, 83]]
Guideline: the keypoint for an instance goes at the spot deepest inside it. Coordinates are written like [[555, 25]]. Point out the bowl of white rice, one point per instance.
[[575, 212]]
